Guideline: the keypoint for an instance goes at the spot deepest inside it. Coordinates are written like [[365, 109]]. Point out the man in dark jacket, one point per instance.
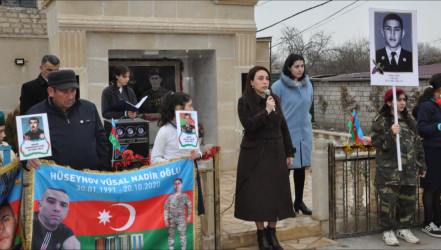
[[35, 91], [77, 134]]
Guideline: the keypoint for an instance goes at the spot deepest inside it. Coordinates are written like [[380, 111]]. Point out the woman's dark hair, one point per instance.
[[435, 83], [120, 71], [386, 110], [168, 103], [250, 76], [290, 60]]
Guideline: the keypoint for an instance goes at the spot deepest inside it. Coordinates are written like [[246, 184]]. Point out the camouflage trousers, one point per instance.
[[396, 206], [181, 223]]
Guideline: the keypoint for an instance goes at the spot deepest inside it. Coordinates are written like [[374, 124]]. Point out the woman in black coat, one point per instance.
[[262, 188], [428, 114]]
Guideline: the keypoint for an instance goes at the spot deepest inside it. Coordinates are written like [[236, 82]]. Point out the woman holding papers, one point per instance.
[[266, 152], [397, 189], [428, 114], [115, 95]]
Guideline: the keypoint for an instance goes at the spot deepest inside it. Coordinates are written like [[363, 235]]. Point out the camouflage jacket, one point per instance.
[[412, 154]]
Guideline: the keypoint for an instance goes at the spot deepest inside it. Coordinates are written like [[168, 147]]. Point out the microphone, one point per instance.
[[268, 93]]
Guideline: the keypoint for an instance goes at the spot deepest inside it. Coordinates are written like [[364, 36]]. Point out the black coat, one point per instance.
[[78, 140], [262, 187], [404, 62], [32, 92]]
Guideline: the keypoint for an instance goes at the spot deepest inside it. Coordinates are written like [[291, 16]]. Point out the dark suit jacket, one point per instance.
[[404, 62], [32, 93]]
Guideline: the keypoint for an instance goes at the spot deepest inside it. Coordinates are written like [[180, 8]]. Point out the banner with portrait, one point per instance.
[[146, 208], [393, 47], [11, 183]]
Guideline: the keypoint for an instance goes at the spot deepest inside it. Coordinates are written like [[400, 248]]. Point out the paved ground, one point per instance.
[[229, 224], [375, 241]]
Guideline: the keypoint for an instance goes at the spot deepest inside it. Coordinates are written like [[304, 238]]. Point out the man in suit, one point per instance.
[[35, 91], [393, 58]]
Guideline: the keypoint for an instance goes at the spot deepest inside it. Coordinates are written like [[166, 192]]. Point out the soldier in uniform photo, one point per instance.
[[34, 133], [151, 105], [188, 127], [174, 214], [393, 57]]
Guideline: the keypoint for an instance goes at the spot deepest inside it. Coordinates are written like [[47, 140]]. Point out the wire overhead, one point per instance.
[[319, 22], [298, 13]]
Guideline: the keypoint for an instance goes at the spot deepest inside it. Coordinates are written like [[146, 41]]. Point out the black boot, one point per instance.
[[302, 207], [271, 234], [263, 240]]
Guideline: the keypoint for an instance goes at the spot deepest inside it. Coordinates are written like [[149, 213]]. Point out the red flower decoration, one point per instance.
[[209, 154]]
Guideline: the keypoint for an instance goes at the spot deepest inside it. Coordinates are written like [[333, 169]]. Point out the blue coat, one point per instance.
[[296, 103]]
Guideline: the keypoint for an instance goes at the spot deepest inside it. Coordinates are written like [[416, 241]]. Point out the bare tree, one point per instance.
[[428, 54], [315, 51]]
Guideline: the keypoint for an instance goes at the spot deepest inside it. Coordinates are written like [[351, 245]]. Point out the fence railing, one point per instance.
[[353, 206]]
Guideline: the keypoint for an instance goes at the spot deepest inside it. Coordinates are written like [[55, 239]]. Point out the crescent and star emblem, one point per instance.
[[105, 216]]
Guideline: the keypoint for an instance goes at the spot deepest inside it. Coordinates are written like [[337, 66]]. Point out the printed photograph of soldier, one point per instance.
[[34, 133], [8, 225], [48, 230], [174, 214], [155, 93], [390, 44], [188, 127]]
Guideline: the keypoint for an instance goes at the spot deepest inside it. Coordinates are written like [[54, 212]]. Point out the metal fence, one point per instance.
[[353, 204]]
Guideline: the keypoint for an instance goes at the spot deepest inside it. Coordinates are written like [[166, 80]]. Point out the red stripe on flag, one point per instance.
[[83, 215], [354, 128]]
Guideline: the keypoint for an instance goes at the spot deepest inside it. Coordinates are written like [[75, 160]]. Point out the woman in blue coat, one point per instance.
[[295, 92]]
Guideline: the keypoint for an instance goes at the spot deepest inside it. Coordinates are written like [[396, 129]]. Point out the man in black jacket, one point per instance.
[[35, 91], [76, 131]]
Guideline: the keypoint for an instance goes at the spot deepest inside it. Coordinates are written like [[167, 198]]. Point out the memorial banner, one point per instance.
[[11, 182], [146, 208]]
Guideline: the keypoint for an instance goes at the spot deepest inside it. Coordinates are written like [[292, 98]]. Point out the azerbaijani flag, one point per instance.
[[113, 138], [355, 128]]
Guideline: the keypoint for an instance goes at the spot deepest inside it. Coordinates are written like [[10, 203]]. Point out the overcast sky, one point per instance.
[[351, 22]]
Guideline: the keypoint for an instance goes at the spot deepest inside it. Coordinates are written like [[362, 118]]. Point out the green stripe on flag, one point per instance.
[[153, 239], [351, 127]]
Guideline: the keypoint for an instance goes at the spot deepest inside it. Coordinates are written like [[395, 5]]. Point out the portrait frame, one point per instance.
[[381, 71], [170, 71], [29, 147]]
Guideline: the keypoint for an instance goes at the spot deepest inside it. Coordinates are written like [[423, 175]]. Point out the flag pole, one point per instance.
[[398, 135]]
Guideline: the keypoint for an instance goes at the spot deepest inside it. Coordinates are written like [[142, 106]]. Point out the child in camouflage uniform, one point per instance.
[[174, 214], [397, 189]]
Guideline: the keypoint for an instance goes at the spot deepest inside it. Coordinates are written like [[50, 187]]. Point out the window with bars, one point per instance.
[[19, 3]]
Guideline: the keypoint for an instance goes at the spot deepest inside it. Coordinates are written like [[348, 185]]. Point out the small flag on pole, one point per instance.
[[354, 126], [113, 138]]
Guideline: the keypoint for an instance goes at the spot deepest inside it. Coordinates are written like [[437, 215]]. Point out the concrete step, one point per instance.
[[295, 230]]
